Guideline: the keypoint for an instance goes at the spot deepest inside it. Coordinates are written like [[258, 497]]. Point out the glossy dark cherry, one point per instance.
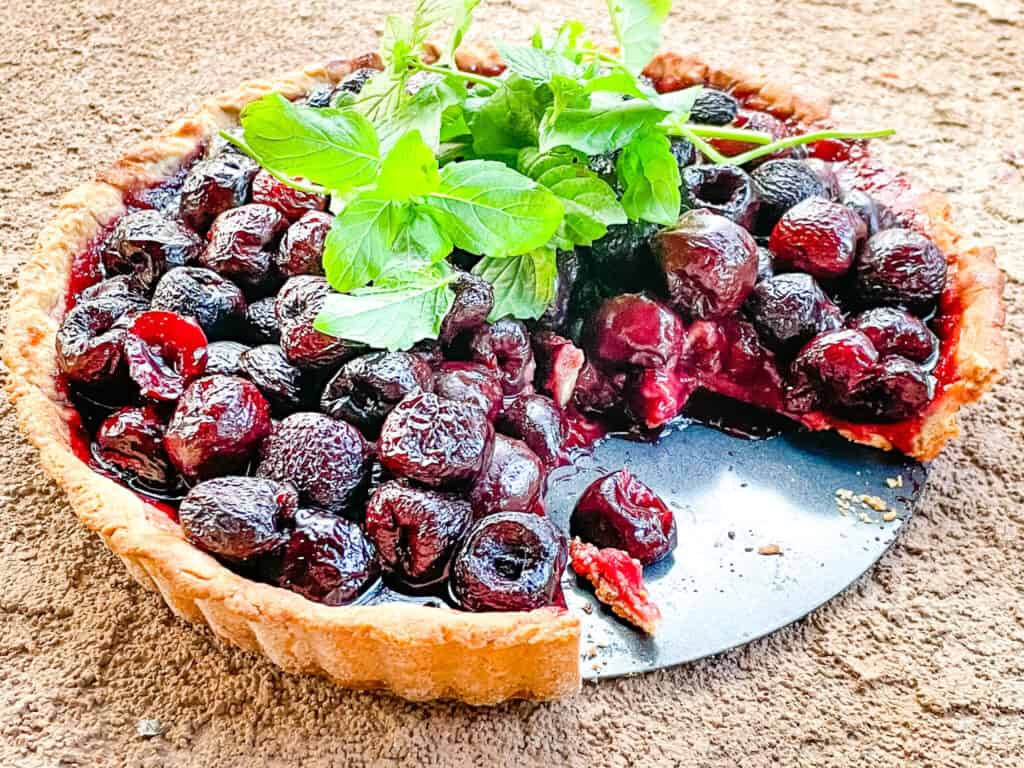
[[818, 237], [242, 243], [505, 347], [434, 440], [634, 329], [788, 310], [261, 325], [470, 383], [237, 517], [714, 107], [619, 511], [896, 332], [164, 352], [781, 184], [567, 274], [298, 304], [597, 391], [830, 369], [537, 421], [289, 202], [656, 395], [875, 216], [710, 264], [131, 441], [366, 388], [474, 299], [144, 243], [118, 286], [898, 390], [622, 260], [214, 302], [217, 427], [302, 248], [722, 189], [280, 382], [900, 268], [328, 559], [225, 357], [511, 561], [90, 342], [325, 459], [559, 362], [416, 530], [765, 267], [213, 186], [511, 481]]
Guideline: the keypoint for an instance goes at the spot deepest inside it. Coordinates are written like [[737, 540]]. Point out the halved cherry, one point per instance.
[[165, 351]]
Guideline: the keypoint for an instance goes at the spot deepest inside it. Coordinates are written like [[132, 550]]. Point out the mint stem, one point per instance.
[[806, 138], [677, 128], [723, 132], [490, 82]]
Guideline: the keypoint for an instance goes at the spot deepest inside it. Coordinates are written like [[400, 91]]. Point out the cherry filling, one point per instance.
[[164, 352]]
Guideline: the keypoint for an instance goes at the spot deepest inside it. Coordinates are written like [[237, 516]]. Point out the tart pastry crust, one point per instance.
[[414, 651]]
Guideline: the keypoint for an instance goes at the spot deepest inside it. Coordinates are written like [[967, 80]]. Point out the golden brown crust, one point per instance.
[[416, 652]]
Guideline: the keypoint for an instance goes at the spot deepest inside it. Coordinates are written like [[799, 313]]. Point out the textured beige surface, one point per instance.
[[922, 663]]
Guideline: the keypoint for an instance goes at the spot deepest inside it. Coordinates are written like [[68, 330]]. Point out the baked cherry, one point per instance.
[[511, 561], [789, 310], [896, 332], [164, 351], [619, 511], [218, 145], [710, 264], [237, 518], [416, 530], [366, 388], [754, 120], [214, 186], [559, 362], [765, 267], [654, 396], [302, 248], [224, 357], [328, 559], [898, 390], [683, 151], [634, 329], [261, 325], [505, 347], [290, 202], [90, 342], [354, 82], [325, 459], [511, 481], [900, 268], [242, 241], [536, 420], [217, 427], [474, 300], [733, 347], [214, 302], [119, 287], [713, 107], [781, 184], [470, 383], [875, 216], [830, 369], [818, 237], [722, 189], [622, 260], [298, 304], [598, 391], [435, 440], [145, 243], [280, 382], [131, 441]]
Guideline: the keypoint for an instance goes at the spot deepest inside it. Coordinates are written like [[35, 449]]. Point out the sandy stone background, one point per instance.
[[920, 664]]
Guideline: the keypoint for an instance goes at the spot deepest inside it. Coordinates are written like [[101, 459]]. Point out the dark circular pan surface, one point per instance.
[[732, 497]]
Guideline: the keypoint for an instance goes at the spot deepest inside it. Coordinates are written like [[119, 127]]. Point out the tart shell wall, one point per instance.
[[414, 651]]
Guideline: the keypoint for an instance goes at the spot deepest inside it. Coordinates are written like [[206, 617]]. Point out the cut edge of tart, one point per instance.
[[414, 651]]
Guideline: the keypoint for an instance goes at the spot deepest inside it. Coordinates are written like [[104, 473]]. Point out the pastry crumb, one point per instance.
[[894, 482], [769, 549], [876, 503], [889, 516]]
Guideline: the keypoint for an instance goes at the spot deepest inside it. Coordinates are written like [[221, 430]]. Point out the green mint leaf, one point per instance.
[[336, 149], [508, 119], [601, 128], [568, 35], [536, 64], [409, 170], [422, 112], [397, 43], [488, 208], [622, 81], [453, 124], [679, 103], [383, 96], [524, 285], [590, 204], [637, 25], [650, 175], [392, 317], [462, 17], [358, 245], [567, 93], [420, 239]]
